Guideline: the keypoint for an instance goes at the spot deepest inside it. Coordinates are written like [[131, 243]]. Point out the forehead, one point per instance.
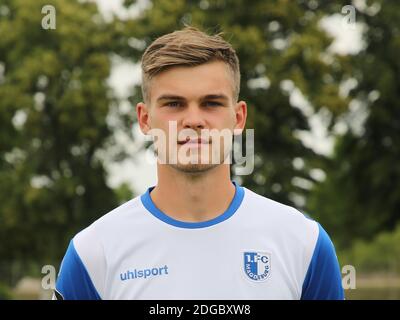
[[192, 82]]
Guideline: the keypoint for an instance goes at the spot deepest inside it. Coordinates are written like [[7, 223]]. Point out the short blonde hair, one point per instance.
[[187, 47]]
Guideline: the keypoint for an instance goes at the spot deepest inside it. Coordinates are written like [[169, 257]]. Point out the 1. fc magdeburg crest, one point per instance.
[[257, 265]]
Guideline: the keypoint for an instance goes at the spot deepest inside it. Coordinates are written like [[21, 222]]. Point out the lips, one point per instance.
[[193, 141]]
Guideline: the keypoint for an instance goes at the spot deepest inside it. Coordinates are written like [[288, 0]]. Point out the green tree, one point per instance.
[[54, 100], [361, 195]]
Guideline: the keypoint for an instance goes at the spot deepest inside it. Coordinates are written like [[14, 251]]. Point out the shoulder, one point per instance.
[[323, 278], [284, 219], [83, 268], [89, 243], [98, 230], [309, 245]]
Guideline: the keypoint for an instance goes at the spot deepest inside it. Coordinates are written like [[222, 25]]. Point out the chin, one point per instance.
[[194, 168]]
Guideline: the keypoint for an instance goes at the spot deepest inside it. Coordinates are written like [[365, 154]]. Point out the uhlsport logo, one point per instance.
[[257, 265]]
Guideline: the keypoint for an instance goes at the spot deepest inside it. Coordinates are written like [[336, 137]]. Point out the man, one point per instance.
[[197, 234]]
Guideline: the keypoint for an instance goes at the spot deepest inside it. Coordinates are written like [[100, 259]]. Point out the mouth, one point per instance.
[[193, 141]]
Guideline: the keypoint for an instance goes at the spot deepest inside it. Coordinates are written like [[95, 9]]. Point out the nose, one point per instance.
[[193, 118]]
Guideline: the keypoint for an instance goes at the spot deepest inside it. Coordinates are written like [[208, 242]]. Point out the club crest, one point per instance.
[[257, 265]]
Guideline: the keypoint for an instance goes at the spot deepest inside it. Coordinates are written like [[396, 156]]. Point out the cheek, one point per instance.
[[158, 120], [227, 120], [161, 121]]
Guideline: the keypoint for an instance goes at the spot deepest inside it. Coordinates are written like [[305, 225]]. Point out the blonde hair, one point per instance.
[[187, 47]]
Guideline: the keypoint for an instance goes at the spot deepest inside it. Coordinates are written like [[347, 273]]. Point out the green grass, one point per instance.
[[373, 294]]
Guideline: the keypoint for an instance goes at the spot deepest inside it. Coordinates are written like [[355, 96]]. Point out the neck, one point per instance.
[[193, 198]]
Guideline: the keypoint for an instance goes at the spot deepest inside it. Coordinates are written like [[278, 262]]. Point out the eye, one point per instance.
[[212, 103], [173, 104]]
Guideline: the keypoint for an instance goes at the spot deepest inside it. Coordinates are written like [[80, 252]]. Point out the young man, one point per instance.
[[197, 234]]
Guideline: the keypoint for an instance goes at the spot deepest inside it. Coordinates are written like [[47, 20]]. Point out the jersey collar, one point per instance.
[[234, 205]]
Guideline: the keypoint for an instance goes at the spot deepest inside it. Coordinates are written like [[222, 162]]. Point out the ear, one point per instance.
[[241, 116], [142, 114]]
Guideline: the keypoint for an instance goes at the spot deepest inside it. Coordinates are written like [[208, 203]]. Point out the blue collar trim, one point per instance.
[[234, 205]]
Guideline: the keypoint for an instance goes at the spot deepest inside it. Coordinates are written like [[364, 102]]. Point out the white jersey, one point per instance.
[[256, 249]]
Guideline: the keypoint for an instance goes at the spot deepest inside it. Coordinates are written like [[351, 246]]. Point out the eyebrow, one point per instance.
[[206, 97]]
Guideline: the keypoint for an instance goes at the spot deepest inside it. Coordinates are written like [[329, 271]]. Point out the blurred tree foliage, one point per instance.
[[361, 195], [53, 106], [381, 255]]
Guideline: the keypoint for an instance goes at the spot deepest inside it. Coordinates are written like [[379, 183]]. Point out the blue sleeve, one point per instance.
[[323, 280], [73, 281]]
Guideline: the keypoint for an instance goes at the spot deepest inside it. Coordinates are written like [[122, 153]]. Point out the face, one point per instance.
[[193, 113]]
